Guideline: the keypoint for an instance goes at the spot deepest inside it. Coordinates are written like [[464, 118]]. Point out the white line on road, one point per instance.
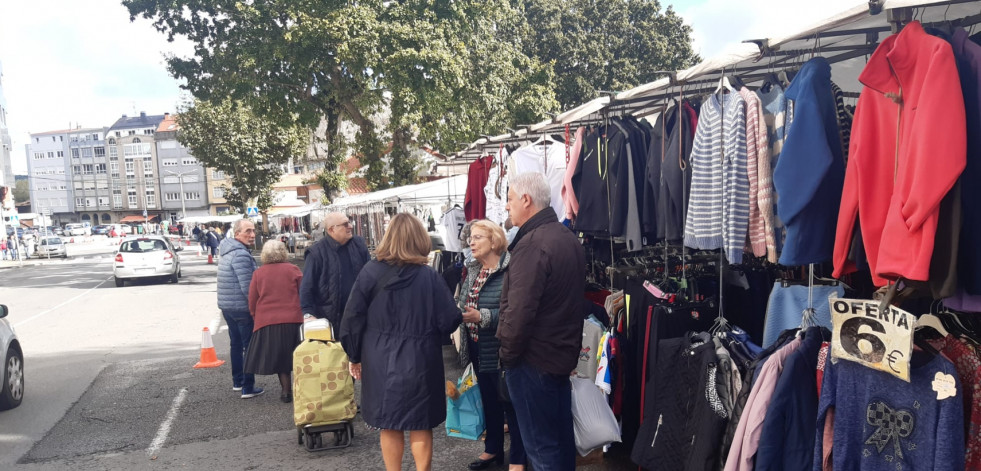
[[60, 305], [164, 429]]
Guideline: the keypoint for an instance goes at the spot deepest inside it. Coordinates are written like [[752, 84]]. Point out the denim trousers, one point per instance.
[[239, 334], [543, 404], [494, 412]]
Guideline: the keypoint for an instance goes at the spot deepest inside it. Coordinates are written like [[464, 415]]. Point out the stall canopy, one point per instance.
[[139, 218], [209, 219], [432, 192], [298, 211], [845, 39]]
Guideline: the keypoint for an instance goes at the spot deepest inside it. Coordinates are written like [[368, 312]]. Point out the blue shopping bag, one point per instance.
[[465, 415]]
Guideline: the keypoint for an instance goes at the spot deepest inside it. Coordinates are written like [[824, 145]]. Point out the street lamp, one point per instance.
[[180, 179]]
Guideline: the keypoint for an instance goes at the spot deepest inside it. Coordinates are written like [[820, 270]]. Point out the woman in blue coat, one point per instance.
[[392, 330]]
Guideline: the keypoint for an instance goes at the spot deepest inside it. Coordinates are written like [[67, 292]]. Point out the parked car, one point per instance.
[[145, 257], [12, 370], [75, 230], [100, 230], [51, 246]]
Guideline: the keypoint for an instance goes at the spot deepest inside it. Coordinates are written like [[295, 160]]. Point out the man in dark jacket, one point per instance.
[[540, 323], [235, 270], [330, 268]]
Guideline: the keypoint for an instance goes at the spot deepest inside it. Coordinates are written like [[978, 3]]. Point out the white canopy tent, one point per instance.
[[845, 39], [208, 219], [434, 192]]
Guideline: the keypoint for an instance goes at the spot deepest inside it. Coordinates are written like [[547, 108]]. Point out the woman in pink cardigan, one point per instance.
[[274, 301]]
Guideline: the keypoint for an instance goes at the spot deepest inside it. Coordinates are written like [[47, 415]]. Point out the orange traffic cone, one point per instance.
[[209, 359], [211, 259]]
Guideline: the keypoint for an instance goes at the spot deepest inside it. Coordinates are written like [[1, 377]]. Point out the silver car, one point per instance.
[[145, 257], [12, 372], [51, 246]]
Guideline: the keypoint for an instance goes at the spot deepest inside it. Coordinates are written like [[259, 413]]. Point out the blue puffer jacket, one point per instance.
[[235, 268]]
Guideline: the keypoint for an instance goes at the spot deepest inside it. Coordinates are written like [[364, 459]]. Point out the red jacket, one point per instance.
[[894, 184], [274, 295]]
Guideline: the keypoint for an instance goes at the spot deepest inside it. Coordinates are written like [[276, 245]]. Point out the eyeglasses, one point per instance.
[[343, 224], [475, 237]]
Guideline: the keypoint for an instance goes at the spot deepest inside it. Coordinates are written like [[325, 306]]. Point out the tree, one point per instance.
[[443, 71], [605, 45], [22, 191], [248, 148]]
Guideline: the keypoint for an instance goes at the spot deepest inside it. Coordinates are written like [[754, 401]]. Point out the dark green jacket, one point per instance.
[[489, 304]]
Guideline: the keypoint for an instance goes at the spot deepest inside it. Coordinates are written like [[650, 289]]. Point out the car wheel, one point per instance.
[[12, 389], [173, 278], [119, 282]]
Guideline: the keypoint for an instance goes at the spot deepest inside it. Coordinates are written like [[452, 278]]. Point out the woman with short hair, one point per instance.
[[480, 301], [393, 327], [274, 302]]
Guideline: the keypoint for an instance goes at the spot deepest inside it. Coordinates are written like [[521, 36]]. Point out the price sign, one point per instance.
[[878, 340]]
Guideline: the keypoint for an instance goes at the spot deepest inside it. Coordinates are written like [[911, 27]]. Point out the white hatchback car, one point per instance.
[[145, 257], [12, 372]]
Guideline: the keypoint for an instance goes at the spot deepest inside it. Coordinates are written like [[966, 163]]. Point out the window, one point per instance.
[[112, 141], [38, 155], [169, 162], [118, 134], [217, 175], [100, 151], [148, 132], [86, 152], [130, 169], [131, 133], [95, 137], [131, 193], [76, 169], [168, 144], [218, 192], [151, 198], [52, 138], [74, 153], [113, 153], [80, 202], [51, 155], [136, 140], [297, 169], [61, 154], [87, 169], [136, 150], [100, 168], [117, 198], [193, 195], [103, 201], [114, 169], [147, 170], [172, 196], [189, 161]]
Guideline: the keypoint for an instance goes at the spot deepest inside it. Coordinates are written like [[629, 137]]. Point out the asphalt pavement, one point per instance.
[[110, 383]]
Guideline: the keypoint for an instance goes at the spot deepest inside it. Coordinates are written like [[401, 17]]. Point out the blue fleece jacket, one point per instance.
[[811, 171], [884, 423]]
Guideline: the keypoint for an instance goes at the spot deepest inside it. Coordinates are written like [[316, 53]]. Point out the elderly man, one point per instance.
[[330, 269], [235, 268], [540, 326]]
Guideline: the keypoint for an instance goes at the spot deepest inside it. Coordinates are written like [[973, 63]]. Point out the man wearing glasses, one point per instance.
[[330, 268]]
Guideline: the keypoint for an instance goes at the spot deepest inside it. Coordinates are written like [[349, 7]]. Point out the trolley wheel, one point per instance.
[[299, 436]]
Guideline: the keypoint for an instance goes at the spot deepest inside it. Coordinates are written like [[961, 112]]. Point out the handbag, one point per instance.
[[465, 415]]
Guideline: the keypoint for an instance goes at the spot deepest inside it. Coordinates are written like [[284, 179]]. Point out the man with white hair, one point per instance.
[[541, 321], [330, 268], [235, 269]]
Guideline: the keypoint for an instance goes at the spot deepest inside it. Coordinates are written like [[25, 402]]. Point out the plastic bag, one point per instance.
[[465, 415], [593, 420]]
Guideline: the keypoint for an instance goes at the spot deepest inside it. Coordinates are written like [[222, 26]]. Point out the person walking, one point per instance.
[[540, 324], [274, 301], [213, 242], [235, 269], [3, 248], [393, 329], [329, 270], [480, 300]]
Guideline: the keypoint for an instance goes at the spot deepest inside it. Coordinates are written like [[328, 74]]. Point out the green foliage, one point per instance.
[[250, 149], [22, 191]]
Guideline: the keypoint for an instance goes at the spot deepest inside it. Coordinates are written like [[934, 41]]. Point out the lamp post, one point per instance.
[[180, 179]]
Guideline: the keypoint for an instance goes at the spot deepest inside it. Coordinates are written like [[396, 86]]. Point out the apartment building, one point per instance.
[[183, 181], [133, 169]]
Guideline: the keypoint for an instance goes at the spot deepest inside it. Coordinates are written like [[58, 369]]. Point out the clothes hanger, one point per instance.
[[724, 85]]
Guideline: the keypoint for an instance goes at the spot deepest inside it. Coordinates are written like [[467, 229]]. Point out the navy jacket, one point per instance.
[[969, 66], [398, 339], [787, 437], [811, 171], [320, 290], [235, 268]]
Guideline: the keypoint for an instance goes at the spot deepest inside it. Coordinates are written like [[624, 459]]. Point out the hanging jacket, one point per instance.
[[669, 174], [684, 417], [591, 184], [811, 169], [895, 183], [774, 104], [969, 259], [757, 152]]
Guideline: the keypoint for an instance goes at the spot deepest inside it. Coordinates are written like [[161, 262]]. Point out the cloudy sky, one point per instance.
[[70, 61]]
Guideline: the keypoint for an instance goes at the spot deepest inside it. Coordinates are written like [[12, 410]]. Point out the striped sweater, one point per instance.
[[718, 209], [774, 115], [757, 154]]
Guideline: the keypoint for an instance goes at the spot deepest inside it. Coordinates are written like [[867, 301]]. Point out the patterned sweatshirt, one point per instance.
[[775, 116], [718, 209], [758, 156]]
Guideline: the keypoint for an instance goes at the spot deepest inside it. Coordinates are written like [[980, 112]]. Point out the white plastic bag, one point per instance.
[[593, 420]]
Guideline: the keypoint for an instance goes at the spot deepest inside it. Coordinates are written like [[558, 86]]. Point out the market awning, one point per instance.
[[139, 218]]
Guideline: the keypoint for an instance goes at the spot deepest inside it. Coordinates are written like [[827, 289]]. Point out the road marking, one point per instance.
[[60, 305], [164, 429]]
